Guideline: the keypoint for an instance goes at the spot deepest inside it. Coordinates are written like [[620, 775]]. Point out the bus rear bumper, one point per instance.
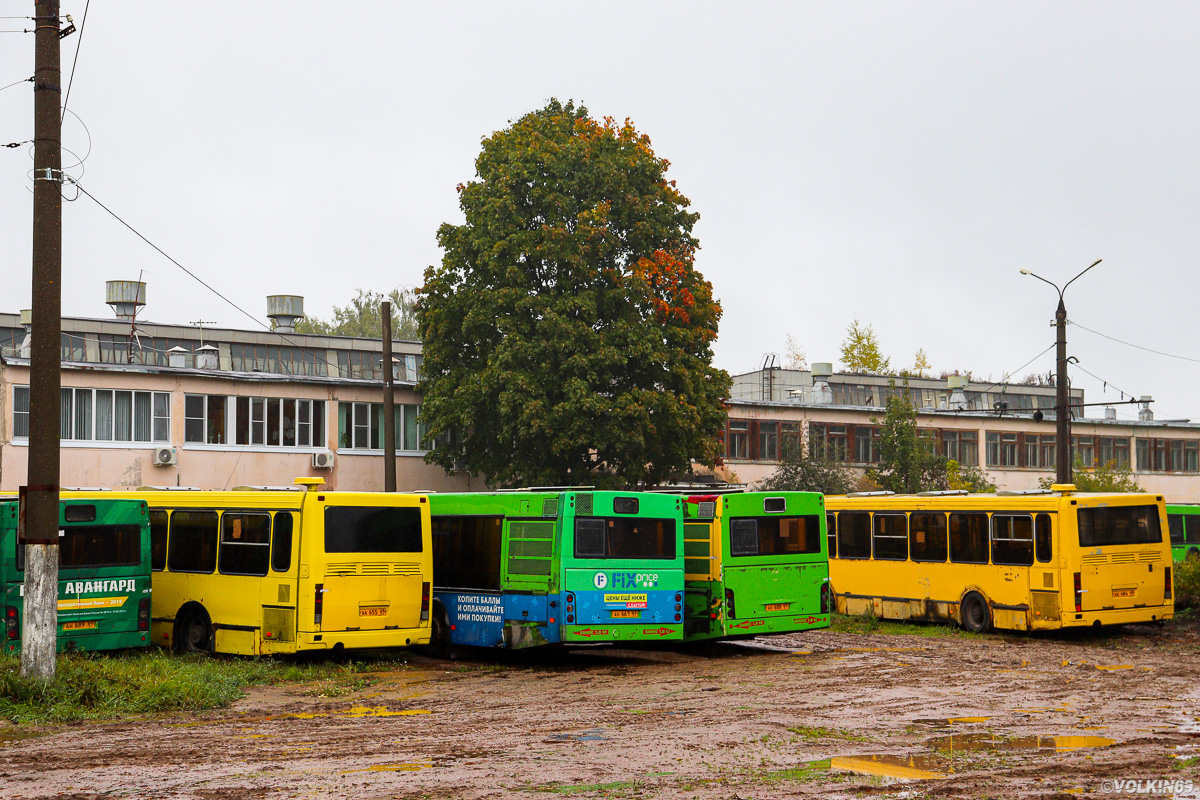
[[1121, 616], [358, 640]]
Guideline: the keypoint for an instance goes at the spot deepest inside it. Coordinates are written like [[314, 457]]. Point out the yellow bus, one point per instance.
[[258, 571], [1016, 560]]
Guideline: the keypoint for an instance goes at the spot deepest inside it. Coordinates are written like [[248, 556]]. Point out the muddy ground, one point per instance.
[[820, 714]]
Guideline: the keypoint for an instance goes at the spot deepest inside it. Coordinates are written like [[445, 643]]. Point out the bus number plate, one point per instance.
[[80, 626], [373, 611], [626, 614], [1124, 592], [777, 606]]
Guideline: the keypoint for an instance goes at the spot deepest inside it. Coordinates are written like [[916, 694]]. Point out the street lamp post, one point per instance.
[[1062, 403]]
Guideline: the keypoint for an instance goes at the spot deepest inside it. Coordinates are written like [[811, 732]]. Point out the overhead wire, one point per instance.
[[14, 83], [71, 79], [1135, 346]]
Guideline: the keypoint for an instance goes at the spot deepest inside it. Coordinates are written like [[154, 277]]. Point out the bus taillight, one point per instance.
[[425, 601], [1078, 593], [570, 608], [1167, 583], [144, 614], [10, 623], [826, 599], [730, 613], [318, 601]]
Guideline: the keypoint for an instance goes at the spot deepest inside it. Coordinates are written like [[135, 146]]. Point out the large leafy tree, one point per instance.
[[567, 332], [363, 316], [802, 471]]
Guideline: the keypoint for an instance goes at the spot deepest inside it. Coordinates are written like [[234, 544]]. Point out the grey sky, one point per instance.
[[894, 162]]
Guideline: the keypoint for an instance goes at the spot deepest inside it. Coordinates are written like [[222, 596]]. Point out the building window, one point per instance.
[[737, 439], [1083, 450], [1114, 450], [1039, 450], [827, 441], [276, 359], [789, 439], [360, 427], [768, 441], [866, 444], [961, 446], [269, 421], [74, 347], [1168, 455], [102, 415], [1002, 450]]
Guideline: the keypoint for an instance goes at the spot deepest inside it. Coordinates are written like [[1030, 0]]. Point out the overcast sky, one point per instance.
[[897, 163]]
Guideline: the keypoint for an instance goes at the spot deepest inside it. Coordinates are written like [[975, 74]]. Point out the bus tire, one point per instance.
[[974, 613], [193, 631], [439, 633], [1192, 554]]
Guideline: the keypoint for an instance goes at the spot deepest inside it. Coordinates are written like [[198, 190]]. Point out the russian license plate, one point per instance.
[[777, 606], [372, 611], [1124, 592], [626, 614], [80, 626]]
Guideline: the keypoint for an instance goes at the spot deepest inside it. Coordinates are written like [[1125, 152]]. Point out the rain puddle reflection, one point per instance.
[[909, 768], [592, 735], [975, 742]]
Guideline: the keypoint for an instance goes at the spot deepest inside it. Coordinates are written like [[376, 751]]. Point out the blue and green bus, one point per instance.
[[103, 574], [526, 568]]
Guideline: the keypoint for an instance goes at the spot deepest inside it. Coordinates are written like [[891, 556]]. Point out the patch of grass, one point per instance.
[[104, 685], [870, 624], [812, 732], [605, 788], [811, 770]]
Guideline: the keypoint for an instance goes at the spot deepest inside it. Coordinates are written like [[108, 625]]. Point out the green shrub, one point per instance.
[[1187, 584]]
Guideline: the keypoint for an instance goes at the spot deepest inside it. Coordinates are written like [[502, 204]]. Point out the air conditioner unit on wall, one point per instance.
[[323, 460], [164, 456]]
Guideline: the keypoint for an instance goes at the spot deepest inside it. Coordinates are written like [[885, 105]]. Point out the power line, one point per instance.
[[1018, 369], [1136, 346], [23, 80], [70, 80]]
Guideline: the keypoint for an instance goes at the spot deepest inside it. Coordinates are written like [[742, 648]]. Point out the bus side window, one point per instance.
[[1175, 528], [854, 534], [245, 543], [831, 533], [1045, 538], [927, 536], [281, 542], [890, 536], [192, 546], [1012, 539], [969, 537], [158, 540], [1192, 527]]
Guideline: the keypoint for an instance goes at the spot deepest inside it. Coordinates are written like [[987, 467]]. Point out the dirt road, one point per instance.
[[818, 714]]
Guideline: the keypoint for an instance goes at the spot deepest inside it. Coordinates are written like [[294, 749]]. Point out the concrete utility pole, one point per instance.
[[39, 633], [389, 402], [1062, 401]]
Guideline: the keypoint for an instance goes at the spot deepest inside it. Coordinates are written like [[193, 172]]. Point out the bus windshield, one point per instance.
[[1113, 525], [774, 536], [624, 537], [372, 529]]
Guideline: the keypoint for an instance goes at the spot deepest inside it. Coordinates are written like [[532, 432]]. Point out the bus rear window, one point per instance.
[[372, 529], [774, 536], [624, 537], [1175, 528], [100, 546], [1119, 525]]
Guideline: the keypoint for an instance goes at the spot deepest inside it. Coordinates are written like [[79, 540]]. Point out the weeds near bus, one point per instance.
[[1187, 584], [99, 686]]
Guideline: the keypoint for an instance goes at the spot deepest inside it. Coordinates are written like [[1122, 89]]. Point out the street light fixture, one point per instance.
[[1062, 403]]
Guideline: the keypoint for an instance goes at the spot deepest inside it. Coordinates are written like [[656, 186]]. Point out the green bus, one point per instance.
[[1183, 523], [536, 567], [755, 563], [103, 574]]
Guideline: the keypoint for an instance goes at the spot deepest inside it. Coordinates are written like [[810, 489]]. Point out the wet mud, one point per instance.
[[818, 714]]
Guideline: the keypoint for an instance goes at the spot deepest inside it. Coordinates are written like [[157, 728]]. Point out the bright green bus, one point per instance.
[[535, 567], [1183, 522], [103, 574], [755, 563]]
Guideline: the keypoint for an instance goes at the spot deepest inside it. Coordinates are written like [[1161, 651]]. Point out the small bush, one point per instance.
[[1187, 584]]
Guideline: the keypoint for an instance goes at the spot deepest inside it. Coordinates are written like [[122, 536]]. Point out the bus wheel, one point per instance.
[[193, 632], [975, 614], [1193, 554], [439, 634]]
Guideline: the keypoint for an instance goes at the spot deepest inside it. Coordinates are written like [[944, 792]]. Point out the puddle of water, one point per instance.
[[908, 768], [974, 742], [1114, 666], [15, 735], [938, 723], [380, 711], [399, 767]]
